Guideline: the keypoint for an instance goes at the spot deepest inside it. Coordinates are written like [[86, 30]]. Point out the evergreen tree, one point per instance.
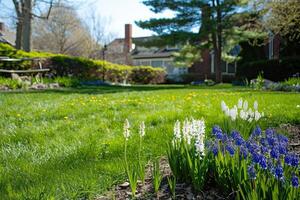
[[218, 25]]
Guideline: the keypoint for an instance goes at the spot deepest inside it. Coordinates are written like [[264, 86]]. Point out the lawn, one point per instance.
[[68, 144]]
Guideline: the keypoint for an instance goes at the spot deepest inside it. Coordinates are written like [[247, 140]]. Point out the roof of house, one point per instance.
[[7, 37], [139, 53], [143, 49]]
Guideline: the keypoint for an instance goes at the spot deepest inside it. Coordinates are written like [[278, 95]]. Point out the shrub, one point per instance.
[[72, 66], [292, 81], [275, 70], [117, 73], [144, 75], [84, 68]]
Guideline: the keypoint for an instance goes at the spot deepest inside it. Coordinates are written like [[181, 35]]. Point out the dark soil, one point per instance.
[[293, 133]]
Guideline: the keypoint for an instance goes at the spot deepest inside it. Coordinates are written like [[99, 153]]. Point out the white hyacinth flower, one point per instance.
[[255, 105], [250, 119], [186, 128], [257, 115], [126, 129], [240, 103], [200, 148], [186, 131], [233, 113], [177, 133], [201, 127], [227, 112], [223, 106], [245, 105], [250, 113], [243, 115], [142, 129]]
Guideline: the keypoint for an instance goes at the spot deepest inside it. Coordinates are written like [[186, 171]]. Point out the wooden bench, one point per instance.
[[15, 73]]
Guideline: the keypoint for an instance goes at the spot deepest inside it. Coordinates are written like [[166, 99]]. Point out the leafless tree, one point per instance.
[[63, 33], [25, 11], [98, 27]]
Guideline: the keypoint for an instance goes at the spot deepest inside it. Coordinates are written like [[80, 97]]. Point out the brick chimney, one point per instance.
[[2, 27], [128, 38]]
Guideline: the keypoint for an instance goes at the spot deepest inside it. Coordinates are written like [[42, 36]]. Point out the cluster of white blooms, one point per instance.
[[142, 129], [242, 111], [126, 129], [192, 130]]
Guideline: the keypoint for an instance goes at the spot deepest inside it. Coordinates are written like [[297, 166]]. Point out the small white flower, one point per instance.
[[240, 103], [257, 115], [126, 129], [250, 112], [233, 113], [199, 148], [223, 106], [250, 119], [177, 133], [227, 112], [186, 128], [243, 115], [245, 106], [298, 106], [255, 106], [142, 129]]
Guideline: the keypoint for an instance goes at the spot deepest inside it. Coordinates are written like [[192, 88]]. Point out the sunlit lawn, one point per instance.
[[68, 143]]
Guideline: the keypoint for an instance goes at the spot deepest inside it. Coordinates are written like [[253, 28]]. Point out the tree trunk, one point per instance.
[[218, 52], [27, 25], [19, 34]]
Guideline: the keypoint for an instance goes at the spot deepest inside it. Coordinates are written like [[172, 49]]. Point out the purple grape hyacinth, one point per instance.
[[251, 172], [278, 171], [217, 131], [264, 150], [295, 181]]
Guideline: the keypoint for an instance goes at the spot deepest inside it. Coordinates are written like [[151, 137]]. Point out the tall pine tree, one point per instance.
[[217, 25]]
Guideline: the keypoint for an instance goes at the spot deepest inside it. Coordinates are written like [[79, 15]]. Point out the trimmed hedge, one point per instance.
[[83, 68], [275, 70]]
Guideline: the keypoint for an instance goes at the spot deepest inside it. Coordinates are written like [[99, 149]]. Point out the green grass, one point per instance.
[[68, 144]]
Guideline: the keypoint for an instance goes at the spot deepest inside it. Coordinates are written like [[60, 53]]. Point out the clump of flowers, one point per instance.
[[241, 116], [134, 170], [186, 152], [242, 111], [257, 165]]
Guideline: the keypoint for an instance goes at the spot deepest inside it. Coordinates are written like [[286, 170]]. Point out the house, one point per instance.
[[131, 51], [6, 36]]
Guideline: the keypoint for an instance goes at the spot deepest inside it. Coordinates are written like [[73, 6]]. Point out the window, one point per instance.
[[224, 67], [169, 67], [136, 62], [145, 63], [182, 70], [231, 68], [157, 63]]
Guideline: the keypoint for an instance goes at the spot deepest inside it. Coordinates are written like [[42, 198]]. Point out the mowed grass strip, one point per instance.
[[68, 144]]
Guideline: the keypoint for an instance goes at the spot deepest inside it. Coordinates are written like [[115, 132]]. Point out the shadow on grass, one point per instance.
[[118, 89]]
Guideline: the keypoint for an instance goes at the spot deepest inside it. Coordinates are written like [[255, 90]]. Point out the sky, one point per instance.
[[119, 13], [122, 12]]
